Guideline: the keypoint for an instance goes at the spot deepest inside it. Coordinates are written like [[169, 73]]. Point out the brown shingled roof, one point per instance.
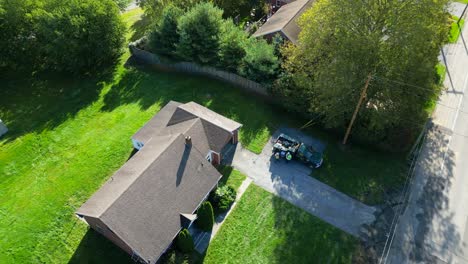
[[284, 21], [143, 202], [156, 193]]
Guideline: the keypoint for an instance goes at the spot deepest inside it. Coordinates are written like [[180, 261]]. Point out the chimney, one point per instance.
[[188, 140]]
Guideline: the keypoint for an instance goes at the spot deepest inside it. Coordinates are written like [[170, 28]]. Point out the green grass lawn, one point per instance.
[[361, 173], [263, 228], [455, 29], [231, 177], [68, 135]]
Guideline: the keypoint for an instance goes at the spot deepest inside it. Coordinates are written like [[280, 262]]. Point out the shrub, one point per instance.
[[164, 37], [205, 215], [223, 197], [184, 241], [199, 31]]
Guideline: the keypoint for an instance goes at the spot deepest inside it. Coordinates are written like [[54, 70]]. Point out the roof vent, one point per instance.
[[188, 140]]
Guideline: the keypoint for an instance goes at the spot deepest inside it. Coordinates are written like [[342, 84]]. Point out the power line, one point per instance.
[[403, 83], [396, 217]]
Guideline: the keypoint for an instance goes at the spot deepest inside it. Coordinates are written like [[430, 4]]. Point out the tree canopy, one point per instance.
[[164, 37], [342, 41], [204, 37], [199, 31], [71, 36]]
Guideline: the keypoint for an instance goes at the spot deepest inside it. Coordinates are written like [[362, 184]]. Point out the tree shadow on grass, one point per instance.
[[95, 248], [42, 102], [307, 239], [146, 86], [140, 27]]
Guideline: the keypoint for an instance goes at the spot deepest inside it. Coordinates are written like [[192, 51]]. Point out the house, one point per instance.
[[284, 21], [3, 128], [157, 192]]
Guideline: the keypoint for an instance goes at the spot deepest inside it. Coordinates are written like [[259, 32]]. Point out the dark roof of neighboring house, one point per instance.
[[210, 130], [285, 21], [152, 197], [156, 193]]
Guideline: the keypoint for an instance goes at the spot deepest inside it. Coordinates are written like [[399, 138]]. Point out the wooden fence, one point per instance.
[[193, 68]]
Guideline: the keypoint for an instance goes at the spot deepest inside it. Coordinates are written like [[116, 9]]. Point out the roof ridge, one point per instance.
[[299, 11], [204, 134], [173, 139]]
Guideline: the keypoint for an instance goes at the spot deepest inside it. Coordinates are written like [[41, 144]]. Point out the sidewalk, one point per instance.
[[433, 228]]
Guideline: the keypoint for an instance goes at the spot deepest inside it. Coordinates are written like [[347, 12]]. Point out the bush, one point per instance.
[[199, 31], [68, 36], [184, 241], [205, 215], [164, 37], [223, 197]]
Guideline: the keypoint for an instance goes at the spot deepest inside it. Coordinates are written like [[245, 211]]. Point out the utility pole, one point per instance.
[[361, 99]]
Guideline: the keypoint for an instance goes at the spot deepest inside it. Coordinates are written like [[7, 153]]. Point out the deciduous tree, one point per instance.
[[343, 41]]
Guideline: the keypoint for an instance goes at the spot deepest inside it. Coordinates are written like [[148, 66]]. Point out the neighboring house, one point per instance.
[[284, 21], [3, 128], [145, 204]]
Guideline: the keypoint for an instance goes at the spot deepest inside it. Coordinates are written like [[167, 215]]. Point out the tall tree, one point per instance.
[[70, 36], [343, 41], [164, 36], [199, 31], [154, 8]]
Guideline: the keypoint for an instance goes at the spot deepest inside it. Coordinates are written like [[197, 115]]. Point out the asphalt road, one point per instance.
[[434, 226]]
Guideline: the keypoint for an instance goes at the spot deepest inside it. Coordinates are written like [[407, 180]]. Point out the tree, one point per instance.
[[77, 36], [342, 42], [205, 220], [164, 37], [260, 62], [184, 241], [199, 31], [232, 47], [122, 4], [243, 8], [153, 8], [18, 44]]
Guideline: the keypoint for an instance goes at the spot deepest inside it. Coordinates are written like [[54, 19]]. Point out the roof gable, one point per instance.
[[210, 116], [285, 20], [147, 214]]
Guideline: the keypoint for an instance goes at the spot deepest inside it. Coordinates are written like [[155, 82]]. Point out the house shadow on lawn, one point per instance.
[[44, 101], [95, 248], [147, 87]]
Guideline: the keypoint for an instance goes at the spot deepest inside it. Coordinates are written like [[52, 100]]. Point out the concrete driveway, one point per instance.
[[291, 181]]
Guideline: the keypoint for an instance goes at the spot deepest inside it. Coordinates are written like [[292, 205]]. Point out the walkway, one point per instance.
[[202, 239], [292, 182]]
